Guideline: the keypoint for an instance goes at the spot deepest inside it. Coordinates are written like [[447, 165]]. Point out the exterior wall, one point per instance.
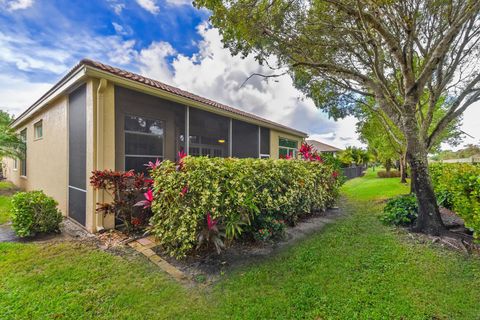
[[47, 166], [274, 136], [140, 104]]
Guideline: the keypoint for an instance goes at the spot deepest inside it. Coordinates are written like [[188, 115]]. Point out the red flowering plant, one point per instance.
[[308, 153], [211, 235], [124, 188], [180, 156]]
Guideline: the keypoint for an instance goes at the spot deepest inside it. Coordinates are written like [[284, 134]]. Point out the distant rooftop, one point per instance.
[[323, 147]]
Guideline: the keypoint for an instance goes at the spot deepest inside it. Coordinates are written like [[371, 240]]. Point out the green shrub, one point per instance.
[[388, 174], [234, 191], [33, 212], [401, 211], [269, 228], [457, 185]]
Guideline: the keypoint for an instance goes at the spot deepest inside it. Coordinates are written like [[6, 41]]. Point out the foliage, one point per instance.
[[409, 58], [401, 211], [466, 152], [211, 235], [34, 212], [354, 156], [329, 275], [458, 185], [125, 188], [234, 190], [268, 228], [11, 145], [388, 174], [5, 207]]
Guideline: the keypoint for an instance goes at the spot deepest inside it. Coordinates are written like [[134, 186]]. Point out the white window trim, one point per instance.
[[35, 125], [160, 157]]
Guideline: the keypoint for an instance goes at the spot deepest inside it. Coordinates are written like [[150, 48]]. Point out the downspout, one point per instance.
[[99, 165]]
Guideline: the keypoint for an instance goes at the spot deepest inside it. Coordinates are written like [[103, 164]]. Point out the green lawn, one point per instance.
[[356, 268], [5, 188], [4, 209]]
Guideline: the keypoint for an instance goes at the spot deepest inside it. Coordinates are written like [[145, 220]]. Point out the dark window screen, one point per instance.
[[264, 141], [23, 161], [143, 142], [208, 134], [244, 140]]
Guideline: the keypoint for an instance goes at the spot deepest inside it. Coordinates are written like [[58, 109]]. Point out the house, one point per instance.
[[101, 117], [323, 147]]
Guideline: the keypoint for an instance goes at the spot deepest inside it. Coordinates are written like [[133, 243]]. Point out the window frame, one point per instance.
[[125, 132], [288, 149], [35, 126], [23, 162]]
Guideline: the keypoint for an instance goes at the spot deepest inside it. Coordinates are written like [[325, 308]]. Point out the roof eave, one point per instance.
[[76, 75], [97, 73]]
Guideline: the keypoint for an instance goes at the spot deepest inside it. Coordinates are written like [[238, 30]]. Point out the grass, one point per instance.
[[4, 209], [356, 268], [6, 188]]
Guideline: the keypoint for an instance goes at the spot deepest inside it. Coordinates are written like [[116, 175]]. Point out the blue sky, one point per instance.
[[169, 40]]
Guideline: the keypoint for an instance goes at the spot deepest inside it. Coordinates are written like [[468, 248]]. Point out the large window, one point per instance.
[[23, 161], [287, 147], [144, 142], [208, 134]]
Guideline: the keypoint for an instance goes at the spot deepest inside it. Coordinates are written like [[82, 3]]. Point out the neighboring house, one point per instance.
[[323, 147], [101, 117]]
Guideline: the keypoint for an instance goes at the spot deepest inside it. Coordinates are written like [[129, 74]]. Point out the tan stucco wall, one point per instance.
[[274, 137], [47, 168]]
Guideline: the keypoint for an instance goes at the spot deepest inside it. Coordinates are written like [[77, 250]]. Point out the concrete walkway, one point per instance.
[[7, 234]]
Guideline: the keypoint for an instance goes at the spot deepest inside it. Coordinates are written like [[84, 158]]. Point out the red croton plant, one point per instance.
[[126, 189]]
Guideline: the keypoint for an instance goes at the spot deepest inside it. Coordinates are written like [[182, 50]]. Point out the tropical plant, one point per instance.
[[237, 193], [401, 211], [125, 190], [34, 212], [11, 144], [211, 235], [458, 188]]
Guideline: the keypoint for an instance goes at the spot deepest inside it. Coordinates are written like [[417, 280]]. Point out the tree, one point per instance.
[[467, 152], [354, 156], [386, 147], [392, 144], [341, 52], [11, 145]]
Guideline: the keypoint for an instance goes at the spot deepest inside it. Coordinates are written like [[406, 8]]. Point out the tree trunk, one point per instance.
[[429, 220], [403, 169], [388, 165]]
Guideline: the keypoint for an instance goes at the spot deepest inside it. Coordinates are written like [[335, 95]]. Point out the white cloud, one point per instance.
[[18, 93], [149, 5], [121, 30], [215, 74], [117, 6], [179, 2], [471, 126], [153, 61], [27, 56], [13, 5]]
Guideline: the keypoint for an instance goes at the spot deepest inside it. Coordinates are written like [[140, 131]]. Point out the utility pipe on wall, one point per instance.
[[99, 165]]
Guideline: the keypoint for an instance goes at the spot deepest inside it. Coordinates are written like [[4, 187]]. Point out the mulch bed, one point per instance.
[[205, 267]]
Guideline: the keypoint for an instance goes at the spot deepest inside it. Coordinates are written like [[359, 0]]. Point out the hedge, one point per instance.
[[227, 189], [458, 188]]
